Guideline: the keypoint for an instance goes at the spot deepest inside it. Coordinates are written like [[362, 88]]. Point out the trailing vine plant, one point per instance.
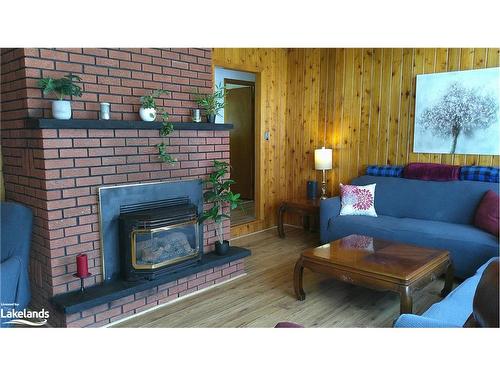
[[166, 129], [148, 101]]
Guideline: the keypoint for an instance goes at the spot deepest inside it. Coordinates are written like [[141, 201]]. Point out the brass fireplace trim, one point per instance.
[[167, 262]]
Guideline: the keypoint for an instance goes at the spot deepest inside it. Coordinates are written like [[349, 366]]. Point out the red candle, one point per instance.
[[82, 267]]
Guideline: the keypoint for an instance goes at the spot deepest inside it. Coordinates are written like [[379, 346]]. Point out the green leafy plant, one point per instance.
[[214, 102], [61, 87], [149, 101], [221, 197]]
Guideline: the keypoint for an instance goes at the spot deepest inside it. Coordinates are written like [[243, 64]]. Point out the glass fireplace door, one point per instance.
[[158, 247]]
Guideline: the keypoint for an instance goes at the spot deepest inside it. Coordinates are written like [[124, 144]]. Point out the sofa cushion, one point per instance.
[[469, 246], [431, 171], [487, 213], [452, 201], [480, 173], [357, 200], [385, 170]]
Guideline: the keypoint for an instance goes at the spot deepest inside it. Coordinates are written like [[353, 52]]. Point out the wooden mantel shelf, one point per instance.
[[120, 124]]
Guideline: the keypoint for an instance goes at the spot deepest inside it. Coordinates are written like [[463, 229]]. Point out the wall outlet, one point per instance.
[[267, 135]]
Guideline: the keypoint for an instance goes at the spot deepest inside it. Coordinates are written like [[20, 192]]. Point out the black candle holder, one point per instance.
[[82, 278]]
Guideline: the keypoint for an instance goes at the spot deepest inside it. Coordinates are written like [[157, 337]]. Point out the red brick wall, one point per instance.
[[120, 77], [57, 172]]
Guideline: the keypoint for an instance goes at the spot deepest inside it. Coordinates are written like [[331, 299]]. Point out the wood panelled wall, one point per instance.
[[270, 66], [361, 102]]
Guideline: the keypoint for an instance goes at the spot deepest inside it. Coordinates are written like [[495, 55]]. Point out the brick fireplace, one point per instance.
[[56, 168]]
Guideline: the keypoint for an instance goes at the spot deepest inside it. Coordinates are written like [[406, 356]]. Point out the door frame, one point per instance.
[[250, 84], [259, 168]]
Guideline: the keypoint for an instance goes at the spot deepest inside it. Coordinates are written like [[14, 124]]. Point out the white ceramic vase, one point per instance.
[[61, 109], [147, 114]]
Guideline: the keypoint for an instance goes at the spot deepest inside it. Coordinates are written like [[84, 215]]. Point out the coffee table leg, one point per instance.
[[297, 280], [448, 284], [406, 306], [281, 211]]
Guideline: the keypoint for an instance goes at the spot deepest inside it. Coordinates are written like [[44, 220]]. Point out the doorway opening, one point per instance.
[[239, 110]]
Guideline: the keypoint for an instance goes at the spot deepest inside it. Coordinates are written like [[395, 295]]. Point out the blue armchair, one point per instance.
[[16, 226], [451, 312]]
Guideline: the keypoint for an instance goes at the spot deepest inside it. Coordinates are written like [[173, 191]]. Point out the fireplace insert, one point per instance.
[[158, 237]]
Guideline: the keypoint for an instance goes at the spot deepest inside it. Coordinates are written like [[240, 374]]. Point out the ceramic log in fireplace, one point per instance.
[[158, 237]]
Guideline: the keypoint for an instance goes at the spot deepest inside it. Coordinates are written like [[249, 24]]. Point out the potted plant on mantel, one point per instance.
[[221, 197], [62, 87], [212, 103], [148, 109]]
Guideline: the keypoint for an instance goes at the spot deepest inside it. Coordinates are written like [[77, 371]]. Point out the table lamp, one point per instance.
[[323, 162]]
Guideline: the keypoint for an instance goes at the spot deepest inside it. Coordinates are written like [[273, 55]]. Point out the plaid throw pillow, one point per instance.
[[385, 170], [477, 173]]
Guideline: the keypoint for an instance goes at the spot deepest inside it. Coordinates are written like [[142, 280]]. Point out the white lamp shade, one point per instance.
[[323, 159]]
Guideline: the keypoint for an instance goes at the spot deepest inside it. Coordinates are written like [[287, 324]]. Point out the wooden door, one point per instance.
[[239, 111]]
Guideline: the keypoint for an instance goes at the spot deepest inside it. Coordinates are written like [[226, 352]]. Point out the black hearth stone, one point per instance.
[[73, 302]]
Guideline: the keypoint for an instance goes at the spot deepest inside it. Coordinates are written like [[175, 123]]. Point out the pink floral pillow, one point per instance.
[[357, 200]]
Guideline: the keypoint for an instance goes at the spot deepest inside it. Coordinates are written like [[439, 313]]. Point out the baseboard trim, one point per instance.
[[264, 230]]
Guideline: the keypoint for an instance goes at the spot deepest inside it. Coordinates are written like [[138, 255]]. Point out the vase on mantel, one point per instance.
[[61, 109], [147, 114], [211, 119]]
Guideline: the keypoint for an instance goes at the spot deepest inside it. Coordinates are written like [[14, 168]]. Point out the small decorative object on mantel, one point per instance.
[[104, 111], [212, 103], [196, 115], [221, 197], [147, 112], [82, 269], [62, 87]]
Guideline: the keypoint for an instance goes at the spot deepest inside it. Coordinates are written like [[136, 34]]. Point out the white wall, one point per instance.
[[221, 74]]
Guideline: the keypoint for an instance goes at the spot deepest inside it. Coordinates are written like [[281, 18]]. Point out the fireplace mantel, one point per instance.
[[120, 124]]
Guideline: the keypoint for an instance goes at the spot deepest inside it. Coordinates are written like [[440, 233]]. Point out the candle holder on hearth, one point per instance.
[[82, 278]]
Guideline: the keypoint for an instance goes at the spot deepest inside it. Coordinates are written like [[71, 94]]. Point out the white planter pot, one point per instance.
[[61, 109], [147, 114]]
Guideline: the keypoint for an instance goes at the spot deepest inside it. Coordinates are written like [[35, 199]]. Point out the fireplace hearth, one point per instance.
[[158, 237]]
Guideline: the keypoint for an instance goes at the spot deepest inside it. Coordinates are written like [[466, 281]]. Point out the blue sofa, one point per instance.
[[16, 227], [452, 312], [424, 213]]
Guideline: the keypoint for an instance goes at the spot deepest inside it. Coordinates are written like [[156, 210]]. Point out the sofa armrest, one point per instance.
[[10, 270], [417, 321], [328, 208]]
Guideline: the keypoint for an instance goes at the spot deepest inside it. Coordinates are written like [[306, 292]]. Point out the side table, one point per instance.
[[308, 209]]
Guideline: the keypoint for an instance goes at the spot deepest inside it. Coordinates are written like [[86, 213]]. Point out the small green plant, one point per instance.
[[149, 101], [214, 102], [61, 87], [221, 197]]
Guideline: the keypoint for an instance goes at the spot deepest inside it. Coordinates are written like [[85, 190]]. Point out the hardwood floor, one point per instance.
[[265, 295]]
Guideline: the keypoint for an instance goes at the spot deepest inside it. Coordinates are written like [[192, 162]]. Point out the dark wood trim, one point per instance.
[[239, 82], [120, 124]]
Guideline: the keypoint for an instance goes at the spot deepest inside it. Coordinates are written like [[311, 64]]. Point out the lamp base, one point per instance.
[[323, 186]]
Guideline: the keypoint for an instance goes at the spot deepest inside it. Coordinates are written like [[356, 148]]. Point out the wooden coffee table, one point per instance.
[[377, 264]]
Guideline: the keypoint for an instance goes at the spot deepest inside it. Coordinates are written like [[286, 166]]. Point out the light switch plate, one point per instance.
[[267, 135]]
